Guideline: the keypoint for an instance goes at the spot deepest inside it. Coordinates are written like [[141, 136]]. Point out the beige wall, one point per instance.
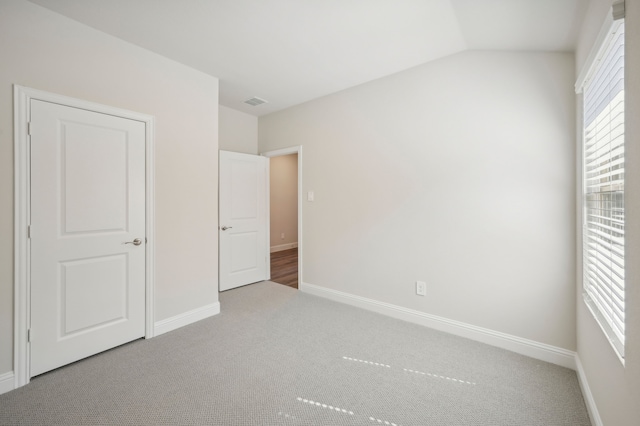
[[283, 196], [459, 172], [46, 51], [616, 389], [238, 131]]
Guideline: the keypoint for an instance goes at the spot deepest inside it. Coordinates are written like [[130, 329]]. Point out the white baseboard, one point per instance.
[[7, 382], [530, 348], [588, 396], [283, 247], [173, 323]]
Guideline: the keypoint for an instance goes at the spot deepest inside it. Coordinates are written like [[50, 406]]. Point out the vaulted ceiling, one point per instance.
[[292, 51]]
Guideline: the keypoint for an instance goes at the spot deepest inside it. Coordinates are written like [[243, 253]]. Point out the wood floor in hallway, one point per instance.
[[284, 267]]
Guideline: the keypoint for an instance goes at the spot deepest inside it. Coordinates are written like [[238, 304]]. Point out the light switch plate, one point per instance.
[[310, 196]]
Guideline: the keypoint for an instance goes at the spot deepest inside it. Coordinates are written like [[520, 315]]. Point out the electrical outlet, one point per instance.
[[421, 288], [282, 235]]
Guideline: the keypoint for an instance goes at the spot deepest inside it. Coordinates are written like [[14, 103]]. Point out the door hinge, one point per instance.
[[29, 232], [29, 335], [29, 128]]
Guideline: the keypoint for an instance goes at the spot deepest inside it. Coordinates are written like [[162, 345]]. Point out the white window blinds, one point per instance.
[[603, 186]]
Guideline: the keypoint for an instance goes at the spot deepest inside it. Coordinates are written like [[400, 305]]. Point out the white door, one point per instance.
[[87, 209], [243, 219]]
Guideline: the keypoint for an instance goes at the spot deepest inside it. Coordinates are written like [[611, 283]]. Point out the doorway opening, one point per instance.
[[285, 225]]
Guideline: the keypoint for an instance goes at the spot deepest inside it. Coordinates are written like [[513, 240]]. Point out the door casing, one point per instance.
[[22, 183]]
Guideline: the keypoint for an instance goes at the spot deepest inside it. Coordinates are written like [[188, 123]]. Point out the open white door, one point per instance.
[[243, 219], [87, 233]]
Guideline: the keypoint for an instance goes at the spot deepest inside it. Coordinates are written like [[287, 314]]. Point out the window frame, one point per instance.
[[606, 39]]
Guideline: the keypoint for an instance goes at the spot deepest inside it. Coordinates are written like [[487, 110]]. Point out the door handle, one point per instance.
[[135, 242], [224, 228]]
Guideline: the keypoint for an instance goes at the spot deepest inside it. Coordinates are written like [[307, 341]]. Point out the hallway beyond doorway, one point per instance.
[[284, 267]]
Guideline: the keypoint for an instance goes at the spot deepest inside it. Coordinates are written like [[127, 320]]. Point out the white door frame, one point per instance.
[[22, 97], [278, 153]]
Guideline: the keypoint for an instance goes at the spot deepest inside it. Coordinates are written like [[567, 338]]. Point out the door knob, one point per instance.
[[135, 242], [224, 228]]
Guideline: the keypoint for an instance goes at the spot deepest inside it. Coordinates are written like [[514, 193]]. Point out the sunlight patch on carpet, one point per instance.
[[327, 406], [379, 364], [439, 376]]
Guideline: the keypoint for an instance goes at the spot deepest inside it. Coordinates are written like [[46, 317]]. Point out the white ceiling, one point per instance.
[[292, 51]]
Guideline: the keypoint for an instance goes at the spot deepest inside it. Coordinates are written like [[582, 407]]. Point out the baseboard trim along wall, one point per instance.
[[7, 382], [533, 349], [282, 247], [590, 402], [186, 318]]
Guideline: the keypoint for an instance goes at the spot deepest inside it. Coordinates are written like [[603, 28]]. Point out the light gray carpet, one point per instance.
[[276, 356]]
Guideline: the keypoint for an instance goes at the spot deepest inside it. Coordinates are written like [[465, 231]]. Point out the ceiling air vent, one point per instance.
[[255, 101]]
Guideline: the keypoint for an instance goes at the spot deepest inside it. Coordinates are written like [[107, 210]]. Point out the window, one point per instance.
[[603, 188]]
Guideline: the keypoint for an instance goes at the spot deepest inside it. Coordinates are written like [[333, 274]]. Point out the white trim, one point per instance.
[[606, 329], [186, 318], [283, 151], [22, 114], [590, 402], [7, 382], [608, 29], [150, 221], [21, 355], [283, 247], [530, 348], [267, 209], [286, 151]]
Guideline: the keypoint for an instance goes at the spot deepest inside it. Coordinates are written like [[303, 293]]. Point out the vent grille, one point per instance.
[[255, 101]]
